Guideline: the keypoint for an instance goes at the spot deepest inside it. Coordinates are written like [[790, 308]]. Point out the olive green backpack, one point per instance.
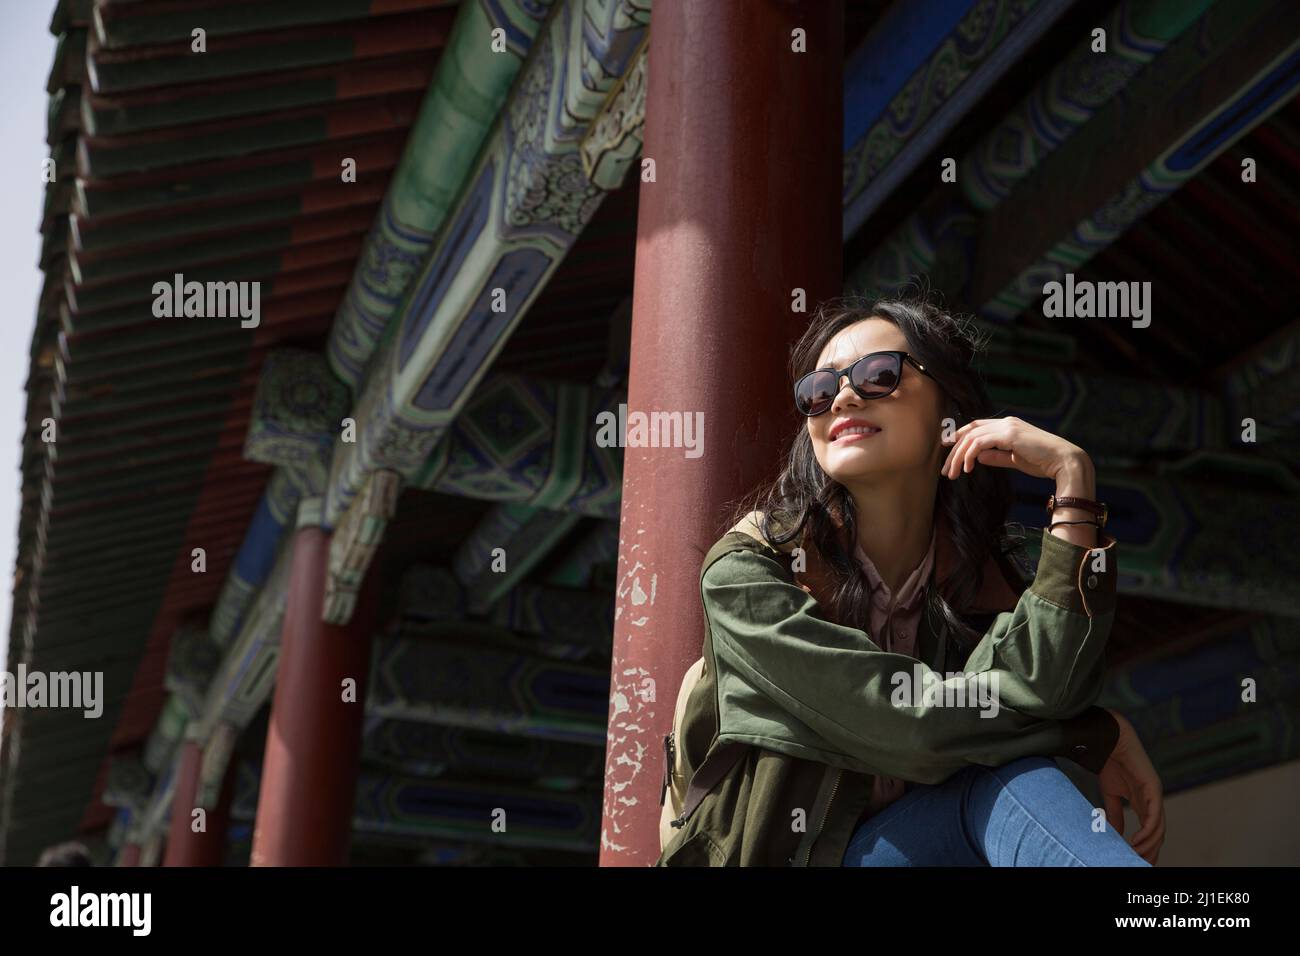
[[680, 792]]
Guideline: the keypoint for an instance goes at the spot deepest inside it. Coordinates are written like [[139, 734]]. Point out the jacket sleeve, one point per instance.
[[892, 714], [1055, 637]]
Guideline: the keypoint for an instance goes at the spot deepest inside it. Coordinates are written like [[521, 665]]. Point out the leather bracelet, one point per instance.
[[1086, 504]]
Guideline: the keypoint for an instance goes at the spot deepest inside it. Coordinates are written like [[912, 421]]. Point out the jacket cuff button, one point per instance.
[[1079, 749], [1092, 580]]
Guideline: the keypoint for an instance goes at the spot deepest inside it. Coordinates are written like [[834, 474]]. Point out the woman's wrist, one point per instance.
[[1076, 478]]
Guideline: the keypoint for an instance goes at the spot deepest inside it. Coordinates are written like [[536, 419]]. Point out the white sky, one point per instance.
[[26, 53]]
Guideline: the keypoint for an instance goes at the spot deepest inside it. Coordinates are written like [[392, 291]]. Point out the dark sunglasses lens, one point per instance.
[[815, 393], [877, 374]]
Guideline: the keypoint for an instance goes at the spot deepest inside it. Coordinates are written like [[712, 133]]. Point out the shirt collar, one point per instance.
[[996, 592], [911, 591]]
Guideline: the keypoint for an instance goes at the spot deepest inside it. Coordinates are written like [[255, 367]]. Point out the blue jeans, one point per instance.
[[1025, 813]]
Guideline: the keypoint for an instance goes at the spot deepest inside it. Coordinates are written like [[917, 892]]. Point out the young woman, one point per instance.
[[895, 491]]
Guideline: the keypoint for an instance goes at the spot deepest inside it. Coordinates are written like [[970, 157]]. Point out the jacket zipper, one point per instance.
[[825, 813], [838, 776]]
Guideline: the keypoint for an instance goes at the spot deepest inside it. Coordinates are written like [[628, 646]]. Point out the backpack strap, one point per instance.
[[714, 768], [739, 541], [721, 759]]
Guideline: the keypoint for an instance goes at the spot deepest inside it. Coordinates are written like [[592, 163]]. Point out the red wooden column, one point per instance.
[[313, 742], [129, 855], [184, 846], [746, 136]]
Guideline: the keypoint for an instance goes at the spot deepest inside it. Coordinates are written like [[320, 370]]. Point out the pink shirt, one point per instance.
[[894, 622]]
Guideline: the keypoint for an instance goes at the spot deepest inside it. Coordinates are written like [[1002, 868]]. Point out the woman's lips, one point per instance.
[[845, 438]]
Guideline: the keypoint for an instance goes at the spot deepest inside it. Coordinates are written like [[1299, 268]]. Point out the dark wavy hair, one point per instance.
[[976, 507]]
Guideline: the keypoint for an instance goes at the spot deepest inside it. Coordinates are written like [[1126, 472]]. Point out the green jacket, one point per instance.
[[794, 712]]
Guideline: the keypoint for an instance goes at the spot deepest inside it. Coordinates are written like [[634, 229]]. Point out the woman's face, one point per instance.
[[909, 419]]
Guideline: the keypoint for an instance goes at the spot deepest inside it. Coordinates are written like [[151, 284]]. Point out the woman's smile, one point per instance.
[[846, 430], [853, 436]]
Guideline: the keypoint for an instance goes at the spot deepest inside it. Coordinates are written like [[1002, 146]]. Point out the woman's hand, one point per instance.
[[1129, 775], [1010, 443]]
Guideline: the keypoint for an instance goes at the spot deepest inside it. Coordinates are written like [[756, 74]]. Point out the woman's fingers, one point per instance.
[[1151, 811], [1153, 842], [997, 458], [962, 438], [1146, 822], [1114, 811], [1149, 850], [976, 440], [979, 444]]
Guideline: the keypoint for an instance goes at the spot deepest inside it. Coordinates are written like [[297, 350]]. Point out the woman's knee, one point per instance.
[[1031, 777], [1032, 762]]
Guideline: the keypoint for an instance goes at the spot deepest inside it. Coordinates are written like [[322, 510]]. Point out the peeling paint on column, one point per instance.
[[632, 742], [704, 329]]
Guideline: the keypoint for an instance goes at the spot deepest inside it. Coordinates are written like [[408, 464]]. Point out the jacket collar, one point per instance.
[[996, 592]]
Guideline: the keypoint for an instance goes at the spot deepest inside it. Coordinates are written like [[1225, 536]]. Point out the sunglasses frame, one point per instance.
[[903, 359]]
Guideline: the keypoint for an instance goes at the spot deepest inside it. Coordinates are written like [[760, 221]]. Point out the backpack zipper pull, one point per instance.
[[669, 753]]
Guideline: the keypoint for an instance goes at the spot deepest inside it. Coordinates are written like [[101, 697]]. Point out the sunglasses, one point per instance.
[[872, 376]]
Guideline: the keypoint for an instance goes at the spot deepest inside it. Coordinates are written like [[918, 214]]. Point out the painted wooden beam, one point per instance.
[[1136, 32], [1225, 708], [531, 444], [535, 696], [938, 241], [417, 748], [962, 58], [497, 237], [1210, 87], [1115, 418], [468, 90], [458, 810], [355, 543], [531, 441], [487, 684], [256, 557], [1214, 529], [298, 410], [572, 622], [246, 676], [581, 619], [505, 547], [466, 810], [576, 568], [1263, 386]]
